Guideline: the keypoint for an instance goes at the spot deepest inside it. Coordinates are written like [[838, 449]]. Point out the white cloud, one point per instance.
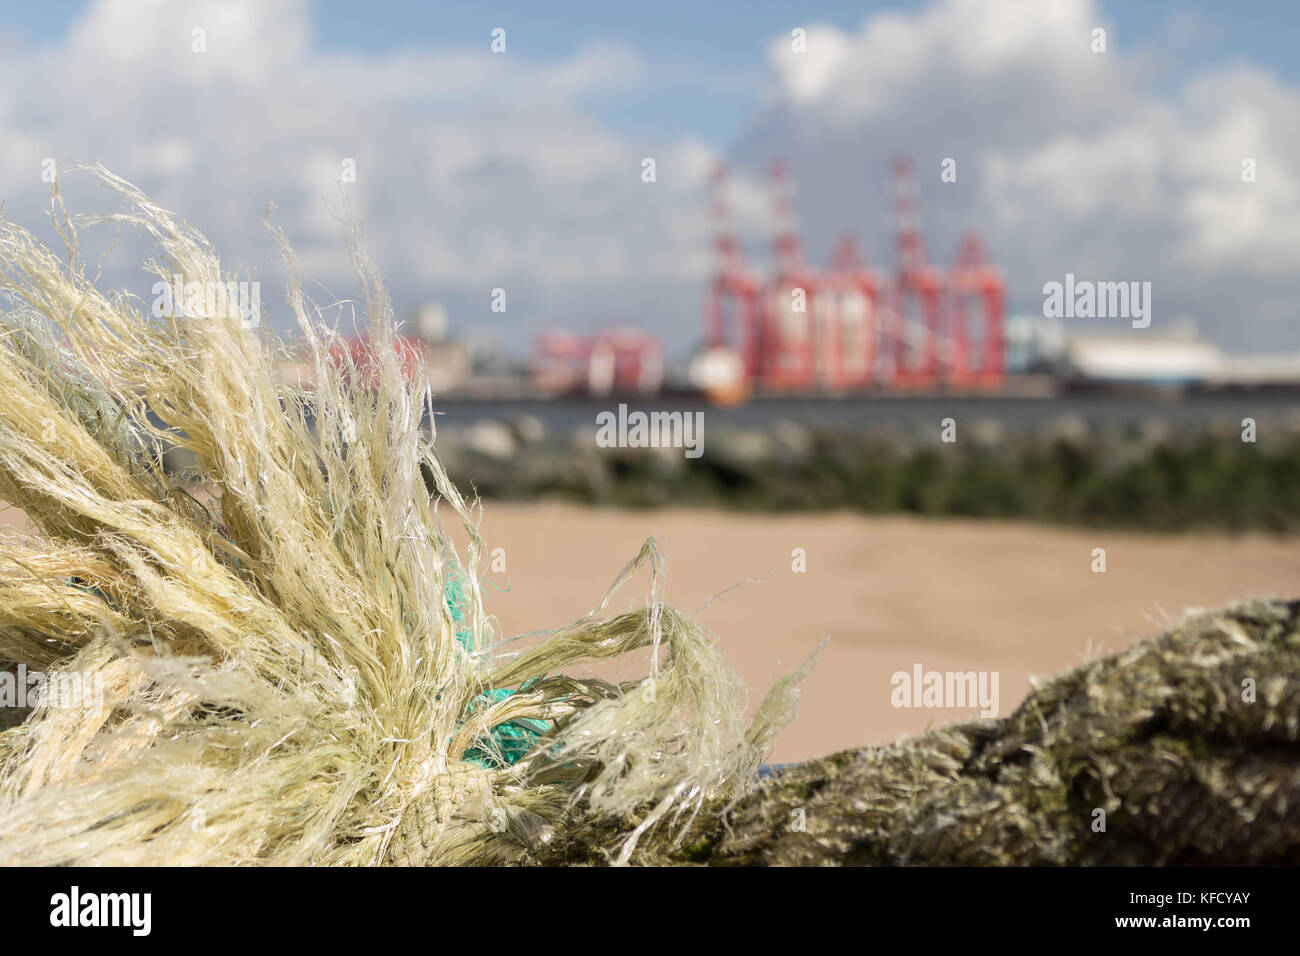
[[474, 170]]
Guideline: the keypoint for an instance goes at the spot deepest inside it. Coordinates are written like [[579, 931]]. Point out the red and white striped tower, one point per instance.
[[916, 283]]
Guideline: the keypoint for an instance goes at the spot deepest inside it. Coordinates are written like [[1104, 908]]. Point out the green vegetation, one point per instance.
[[1206, 478]]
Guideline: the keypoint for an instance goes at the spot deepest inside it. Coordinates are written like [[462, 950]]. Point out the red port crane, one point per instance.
[[793, 303], [849, 354], [917, 284], [975, 288], [731, 300], [849, 328]]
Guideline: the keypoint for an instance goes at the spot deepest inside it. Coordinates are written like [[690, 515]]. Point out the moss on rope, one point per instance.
[[1162, 737]]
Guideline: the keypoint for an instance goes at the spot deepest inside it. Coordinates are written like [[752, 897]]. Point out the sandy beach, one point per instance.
[[891, 593]]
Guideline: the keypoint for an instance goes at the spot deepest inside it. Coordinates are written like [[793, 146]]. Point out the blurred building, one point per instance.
[[1035, 344], [1142, 358], [622, 360], [1178, 357]]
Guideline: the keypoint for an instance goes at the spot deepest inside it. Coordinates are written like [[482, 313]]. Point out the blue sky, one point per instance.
[[478, 171]]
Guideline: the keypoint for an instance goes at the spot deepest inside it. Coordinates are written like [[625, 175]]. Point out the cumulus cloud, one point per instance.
[[474, 170], [1068, 159]]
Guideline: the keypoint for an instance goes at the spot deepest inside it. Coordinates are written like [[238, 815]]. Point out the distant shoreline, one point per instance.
[[1196, 408]]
